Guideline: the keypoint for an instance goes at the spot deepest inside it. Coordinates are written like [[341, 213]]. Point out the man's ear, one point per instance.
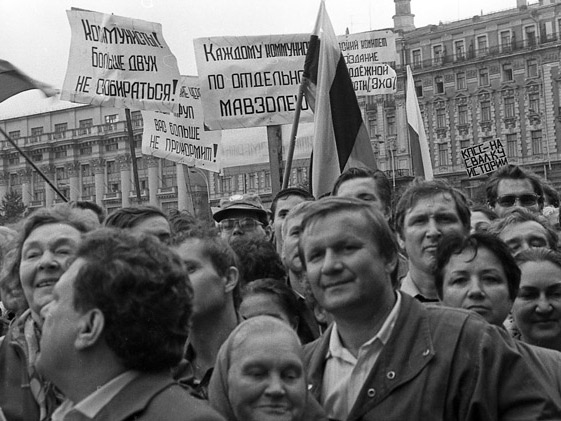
[[232, 278], [400, 242], [268, 231], [91, 326]]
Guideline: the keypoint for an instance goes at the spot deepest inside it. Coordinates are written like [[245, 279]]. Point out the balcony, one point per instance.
[[144, 193], [112, 195], [167, 191]]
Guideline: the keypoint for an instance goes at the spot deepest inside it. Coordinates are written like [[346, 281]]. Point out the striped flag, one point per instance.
[[420, 154], [13, 81], [340, 137]]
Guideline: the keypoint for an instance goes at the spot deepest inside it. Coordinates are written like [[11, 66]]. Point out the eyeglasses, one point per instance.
[[525, 200], [245, 224]]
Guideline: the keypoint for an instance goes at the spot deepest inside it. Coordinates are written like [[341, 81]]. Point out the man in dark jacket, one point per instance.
[[115, 327], [389, 357]]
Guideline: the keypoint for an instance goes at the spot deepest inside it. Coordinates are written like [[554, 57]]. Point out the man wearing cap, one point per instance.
[[242, 214]]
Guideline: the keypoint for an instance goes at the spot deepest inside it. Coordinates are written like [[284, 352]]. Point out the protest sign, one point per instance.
[[119, 62], [181, 137], [251, 81], [484, 158], [368, 55]]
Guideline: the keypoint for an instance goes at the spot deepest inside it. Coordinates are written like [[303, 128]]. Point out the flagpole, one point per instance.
[[30, 162], [293, 133]]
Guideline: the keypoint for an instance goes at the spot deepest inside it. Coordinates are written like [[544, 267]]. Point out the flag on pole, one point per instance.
[[340, 137], [13, 81], [420, 154]]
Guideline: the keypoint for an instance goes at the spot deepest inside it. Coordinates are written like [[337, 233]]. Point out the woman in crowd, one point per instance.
[[44, 248], [259, 375], [537, 309], [478, 273]]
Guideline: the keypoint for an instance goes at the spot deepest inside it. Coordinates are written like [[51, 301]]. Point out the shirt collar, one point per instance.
[[337, 349]]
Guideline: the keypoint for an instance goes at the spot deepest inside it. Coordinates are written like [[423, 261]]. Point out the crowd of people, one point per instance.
[[360, 305]]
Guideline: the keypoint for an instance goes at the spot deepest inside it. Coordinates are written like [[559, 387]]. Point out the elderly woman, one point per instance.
[[479, 274], [259, 375], [537, 309], [44, 248]]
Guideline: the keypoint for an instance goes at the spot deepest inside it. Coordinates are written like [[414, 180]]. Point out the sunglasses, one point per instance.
[[509, 200], [245, 224]]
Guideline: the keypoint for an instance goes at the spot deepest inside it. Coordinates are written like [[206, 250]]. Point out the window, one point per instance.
[[168, 180], [38, 195], [532, 67], [13, 159], [530, 36], [439, 84], [437, 54], [536, 142], [36, 131], [85, 150], [85, 126], [464, 143], [505, 41], [62, 127], [462, 114], [113, 118], [61, 154], [507, 72], [443, 153], [267, 179], [85, 170], [511, 145], [390, 122], [251, 182], [60, 174], [460, 80], [440, 118], [534, 102], [37, 157], [416, 58], [419, 88], [485, 110], [110, 167], [114, 187], [481, 45], [14, 179], [373, 126], [226, 184], [484, 77], [88, 190], [14, 135], [509, 107], [136, 119], [460, 50], [113, 146]]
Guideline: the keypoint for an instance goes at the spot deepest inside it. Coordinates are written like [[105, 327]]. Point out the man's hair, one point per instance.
[[142, 289], [257, 258], [513, 172], [383, 186], [181, 220], [129, 217], [539, 254], [520, 215], [551, 194], [291, 191], [485, 210], [421, 189], [87, 205], [380, 231], [455, 244]]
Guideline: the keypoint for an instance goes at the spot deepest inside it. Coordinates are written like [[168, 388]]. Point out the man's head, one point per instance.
[[511, 186], [426, 211], [348, 251], [213, 270], [242, 215], [368, 185], [522, 229], [283, 202], [124, 302], [291, 231], [141, 219]]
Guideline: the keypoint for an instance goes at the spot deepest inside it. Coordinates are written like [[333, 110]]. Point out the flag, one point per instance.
[[340, 137], [420, 154], [13, 81]]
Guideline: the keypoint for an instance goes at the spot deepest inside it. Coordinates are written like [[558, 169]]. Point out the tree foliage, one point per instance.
[[12, 208]]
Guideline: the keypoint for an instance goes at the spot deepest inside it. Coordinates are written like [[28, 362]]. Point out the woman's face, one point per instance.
[[537, 308], [46, 254], [266, 380], [478, 284], [262, 305]]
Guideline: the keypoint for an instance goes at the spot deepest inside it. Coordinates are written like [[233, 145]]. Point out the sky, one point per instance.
[[35, 34]]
